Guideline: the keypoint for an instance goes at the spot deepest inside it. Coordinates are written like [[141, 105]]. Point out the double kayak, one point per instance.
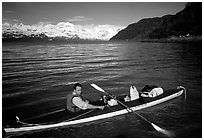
[[64, 118]]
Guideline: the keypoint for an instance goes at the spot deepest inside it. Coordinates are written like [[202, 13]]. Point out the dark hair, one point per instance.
[[77, 85]]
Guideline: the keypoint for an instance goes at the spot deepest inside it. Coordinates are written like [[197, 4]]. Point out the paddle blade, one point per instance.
[[17, 118], [163, 131], [97, 87]]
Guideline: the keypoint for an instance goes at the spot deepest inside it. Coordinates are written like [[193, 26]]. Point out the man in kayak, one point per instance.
[[75, 101]]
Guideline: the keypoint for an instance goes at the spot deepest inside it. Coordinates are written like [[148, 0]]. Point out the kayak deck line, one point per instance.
[[100, 114]]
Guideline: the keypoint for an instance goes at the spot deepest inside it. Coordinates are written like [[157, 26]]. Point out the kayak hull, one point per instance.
[[92, 115]]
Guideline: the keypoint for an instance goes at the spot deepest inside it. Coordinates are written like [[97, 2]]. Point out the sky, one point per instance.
[[85, 13]]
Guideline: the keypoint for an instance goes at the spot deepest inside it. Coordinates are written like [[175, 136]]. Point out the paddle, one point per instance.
[[157, 128]]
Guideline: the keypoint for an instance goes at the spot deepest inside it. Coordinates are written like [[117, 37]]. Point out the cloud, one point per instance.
[[16, 20], [43, 23], [8, 11], [79, 19], [11, 21]]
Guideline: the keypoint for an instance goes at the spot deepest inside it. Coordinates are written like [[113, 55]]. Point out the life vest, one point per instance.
[[70, 106]]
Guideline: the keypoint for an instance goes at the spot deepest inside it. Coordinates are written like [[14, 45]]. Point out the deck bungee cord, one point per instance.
[[45, 114], [30, 124]]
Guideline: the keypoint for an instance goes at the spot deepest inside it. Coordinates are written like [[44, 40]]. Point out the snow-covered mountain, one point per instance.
[[62, 30]]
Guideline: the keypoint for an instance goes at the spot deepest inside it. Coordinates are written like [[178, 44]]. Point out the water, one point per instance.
[[36, 78]]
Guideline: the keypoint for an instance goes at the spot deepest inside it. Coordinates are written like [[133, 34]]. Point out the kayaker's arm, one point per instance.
[[84, 104], [90, 106]]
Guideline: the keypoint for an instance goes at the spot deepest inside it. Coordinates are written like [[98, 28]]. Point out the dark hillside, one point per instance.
[[186, 22]]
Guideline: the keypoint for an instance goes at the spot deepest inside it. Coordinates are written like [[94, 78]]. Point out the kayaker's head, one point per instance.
[[77, 88]]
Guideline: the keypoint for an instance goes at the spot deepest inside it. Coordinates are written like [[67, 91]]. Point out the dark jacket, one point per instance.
[[70, 106]]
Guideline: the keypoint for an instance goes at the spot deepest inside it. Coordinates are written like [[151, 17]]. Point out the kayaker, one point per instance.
[[75, 101]]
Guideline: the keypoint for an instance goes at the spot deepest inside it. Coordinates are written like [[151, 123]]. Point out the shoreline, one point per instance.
[[176, 39]]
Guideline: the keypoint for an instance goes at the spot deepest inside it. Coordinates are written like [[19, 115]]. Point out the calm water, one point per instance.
[[37, 77]]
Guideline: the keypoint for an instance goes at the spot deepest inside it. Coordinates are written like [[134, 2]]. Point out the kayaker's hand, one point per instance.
[[107, 105], [86, 101], [101, 107]]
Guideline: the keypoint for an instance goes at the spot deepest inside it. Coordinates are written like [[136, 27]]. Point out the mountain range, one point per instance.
[[186, 23], [63, 31]]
